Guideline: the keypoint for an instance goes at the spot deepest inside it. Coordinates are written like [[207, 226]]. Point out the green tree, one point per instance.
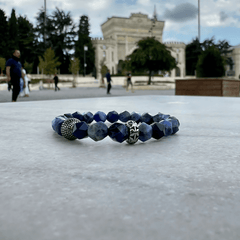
[[74, 69], [49, 63], [61, 37], [85, 40], [26, 39], [151, 55], [2, 64], [28, 67], [13, 32], [4, 35], [211, 63]]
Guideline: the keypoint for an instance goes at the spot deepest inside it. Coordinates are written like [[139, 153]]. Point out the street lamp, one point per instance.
[[85, 49], [199, 21], [45, 17]]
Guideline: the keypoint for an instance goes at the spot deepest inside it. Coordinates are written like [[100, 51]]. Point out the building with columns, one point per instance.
[[120, 37]]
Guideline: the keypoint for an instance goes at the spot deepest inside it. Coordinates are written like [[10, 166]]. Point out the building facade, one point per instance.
[[120, 37]]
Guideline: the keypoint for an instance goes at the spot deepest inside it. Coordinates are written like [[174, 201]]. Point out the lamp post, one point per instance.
[[85, 49], [199, 21], [45, 17]]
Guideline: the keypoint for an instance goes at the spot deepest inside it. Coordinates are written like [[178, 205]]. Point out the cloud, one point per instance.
[[181, 13], [223, 16]]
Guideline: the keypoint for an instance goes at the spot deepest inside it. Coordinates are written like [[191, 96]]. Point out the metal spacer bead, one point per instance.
[[67, 128], [133, 132]]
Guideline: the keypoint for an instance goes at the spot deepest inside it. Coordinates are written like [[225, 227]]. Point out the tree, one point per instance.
[[2, 64], [61, 37], [151, 55], [28, 67], [26, 39], [85, 40], [13, 32], [49, 63], [4, 36], [74, 69], [211, 63], [195, 49]]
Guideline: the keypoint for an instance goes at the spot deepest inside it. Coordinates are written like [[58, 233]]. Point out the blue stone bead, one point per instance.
[[112, 116], [124, 116], [68, 115], [57, 123], [78, 115], [165, 116], [97, 131], [80, 130], [118, 132], [145, 132], [136, 117], [100, 116], [158, 117], [88, 117], [175, 124], [158, 130], [147, 118], [168, 127]]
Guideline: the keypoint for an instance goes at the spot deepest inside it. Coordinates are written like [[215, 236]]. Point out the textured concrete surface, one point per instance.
[[181, 187]]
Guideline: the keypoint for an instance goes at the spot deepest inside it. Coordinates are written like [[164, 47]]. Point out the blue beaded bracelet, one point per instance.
[[134, 126]]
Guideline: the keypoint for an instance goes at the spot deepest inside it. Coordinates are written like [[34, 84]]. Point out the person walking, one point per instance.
[[14, 73], [56, 82], [129, 81], [109, 80], [26, 79]]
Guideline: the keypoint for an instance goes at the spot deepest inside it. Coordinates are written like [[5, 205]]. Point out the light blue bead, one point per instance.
[[97, 131]]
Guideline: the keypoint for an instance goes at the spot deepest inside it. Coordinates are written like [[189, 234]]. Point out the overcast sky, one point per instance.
[[219, 18]]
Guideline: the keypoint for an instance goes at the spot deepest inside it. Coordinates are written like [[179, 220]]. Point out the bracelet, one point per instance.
[[134, 127]]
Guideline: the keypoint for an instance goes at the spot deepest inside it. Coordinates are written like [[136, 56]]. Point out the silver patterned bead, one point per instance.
[[67, 128], [133, 132]]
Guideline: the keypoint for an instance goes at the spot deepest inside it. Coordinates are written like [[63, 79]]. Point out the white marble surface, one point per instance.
[[184, 186]]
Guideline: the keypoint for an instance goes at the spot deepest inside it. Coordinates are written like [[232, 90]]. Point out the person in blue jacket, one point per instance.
[[14, 73]]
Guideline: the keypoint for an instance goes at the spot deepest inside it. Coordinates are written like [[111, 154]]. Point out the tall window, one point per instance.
[[112, 70], [112, 56], [104, 55]]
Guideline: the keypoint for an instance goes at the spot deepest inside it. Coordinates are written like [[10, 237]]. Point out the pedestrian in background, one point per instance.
[[129, 81], [14, 73], [26, 80], [56, 82], [108, 76]]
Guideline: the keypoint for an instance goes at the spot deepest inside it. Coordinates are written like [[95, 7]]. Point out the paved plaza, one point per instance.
[[81, 92]]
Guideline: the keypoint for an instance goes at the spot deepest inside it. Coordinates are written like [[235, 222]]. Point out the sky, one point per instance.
[[218, 18]]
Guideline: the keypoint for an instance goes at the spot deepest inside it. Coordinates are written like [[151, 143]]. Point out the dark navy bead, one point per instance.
[[157, 117], [88, 117], [112, 116], [57, 123], [165, 116], [118, 132], [145, 132], [147, 118], [158, 130], [97, 131], [175, 124], [100, 116], [124, 116], [68, 115], [78, 115], [80, 130], [168, 127], [136, 117]]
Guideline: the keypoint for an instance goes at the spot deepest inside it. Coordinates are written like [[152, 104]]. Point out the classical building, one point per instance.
[[235, 69], [120, 36]]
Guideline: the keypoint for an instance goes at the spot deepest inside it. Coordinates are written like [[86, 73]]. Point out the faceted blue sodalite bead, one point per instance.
[[168, 127], [88, 117], [175, 124], [158, 130], [145, 132], [160, 116], [57, 123], [112, 116], [100, 116], [118, 132], [97, 131], [136, 117], [124, 116], [80, 130], [147, 118], [68, 115], [78, 115]]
